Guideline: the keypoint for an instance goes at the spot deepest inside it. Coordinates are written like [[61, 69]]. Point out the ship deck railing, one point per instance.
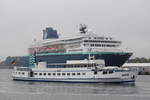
[[77, 65], [22, 68]]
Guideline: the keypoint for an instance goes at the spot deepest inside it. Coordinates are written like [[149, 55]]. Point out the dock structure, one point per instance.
[[143, 68]]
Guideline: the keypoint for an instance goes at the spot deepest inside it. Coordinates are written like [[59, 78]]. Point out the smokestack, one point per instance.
[[50, 33]]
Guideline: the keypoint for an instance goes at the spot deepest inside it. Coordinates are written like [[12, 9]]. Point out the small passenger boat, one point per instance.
[[84, 71]]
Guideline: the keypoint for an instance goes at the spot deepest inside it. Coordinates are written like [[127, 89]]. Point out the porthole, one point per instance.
[[35, 73], [83, 73], [40, 73], [63, 74], [68, 74], [49, 74], [73, 73], [44, 74], [78, 73], [58, 74]]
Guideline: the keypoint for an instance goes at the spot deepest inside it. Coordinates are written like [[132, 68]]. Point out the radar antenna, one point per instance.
[[83, 28]]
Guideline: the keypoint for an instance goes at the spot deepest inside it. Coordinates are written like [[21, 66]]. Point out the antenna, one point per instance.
[[83, 28]]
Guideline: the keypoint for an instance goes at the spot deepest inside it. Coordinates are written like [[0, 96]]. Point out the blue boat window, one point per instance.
[[35, 73], [76, 66], [40, 73], [73, 73], [44, 74], [58, 74], [111, 71], [63, 73], [78, 73], [68, 74], [83, 73], [104, 72], [49, 74]]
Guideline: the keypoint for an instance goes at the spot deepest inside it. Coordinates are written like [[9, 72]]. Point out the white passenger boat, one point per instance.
[[86, 71]]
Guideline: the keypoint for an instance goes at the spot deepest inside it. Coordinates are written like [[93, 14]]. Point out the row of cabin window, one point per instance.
[[102, 41], [23, 69], [59, 74], [101, 38], [20, 73], [71, 66], [108, 72], [100, 45]]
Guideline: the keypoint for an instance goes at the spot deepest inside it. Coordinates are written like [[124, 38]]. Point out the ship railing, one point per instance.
[[22, 69], [109, 50], [71, 65], [117, 69]]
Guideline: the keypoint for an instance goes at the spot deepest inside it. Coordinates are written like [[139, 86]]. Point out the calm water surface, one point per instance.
[[20, 90]]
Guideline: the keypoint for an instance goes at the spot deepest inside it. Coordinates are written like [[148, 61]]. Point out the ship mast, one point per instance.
[[83, 28]]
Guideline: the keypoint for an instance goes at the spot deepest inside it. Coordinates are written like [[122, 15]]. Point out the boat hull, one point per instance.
[[75, 80]]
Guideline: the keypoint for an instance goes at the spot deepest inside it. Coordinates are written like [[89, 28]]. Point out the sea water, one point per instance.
[[23, 90]]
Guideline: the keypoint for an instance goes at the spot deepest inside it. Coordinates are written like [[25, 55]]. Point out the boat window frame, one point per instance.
[[35, 73], [49, 74], [73, 74], [40, 74], [58, 74], [78, 74], [83, 73], [63, 74], [68, 74]]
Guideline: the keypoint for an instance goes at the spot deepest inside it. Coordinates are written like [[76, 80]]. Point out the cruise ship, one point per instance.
[[54, 49]]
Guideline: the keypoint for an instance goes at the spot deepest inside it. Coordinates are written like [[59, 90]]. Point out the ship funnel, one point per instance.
[[50, 33]]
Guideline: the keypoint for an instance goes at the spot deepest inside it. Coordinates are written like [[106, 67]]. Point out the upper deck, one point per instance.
[[80, 43]]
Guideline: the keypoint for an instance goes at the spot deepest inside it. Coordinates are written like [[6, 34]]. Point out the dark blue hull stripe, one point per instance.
[[84, 80], [74, 53], [112, 59]]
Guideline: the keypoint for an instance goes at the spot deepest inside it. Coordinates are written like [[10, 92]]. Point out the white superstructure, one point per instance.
[[83, 43]]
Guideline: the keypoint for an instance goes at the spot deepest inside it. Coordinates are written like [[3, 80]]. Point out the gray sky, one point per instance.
[[23, 20]]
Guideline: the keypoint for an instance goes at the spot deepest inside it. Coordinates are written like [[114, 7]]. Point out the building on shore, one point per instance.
[[143, 68]]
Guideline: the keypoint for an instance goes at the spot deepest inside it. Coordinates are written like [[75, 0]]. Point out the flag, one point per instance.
[[13, 62]]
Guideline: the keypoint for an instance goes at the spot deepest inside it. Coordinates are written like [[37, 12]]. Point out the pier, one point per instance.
[[143, 68]]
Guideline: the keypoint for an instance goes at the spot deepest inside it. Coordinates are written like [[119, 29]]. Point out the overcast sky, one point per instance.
[[23, 20]]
